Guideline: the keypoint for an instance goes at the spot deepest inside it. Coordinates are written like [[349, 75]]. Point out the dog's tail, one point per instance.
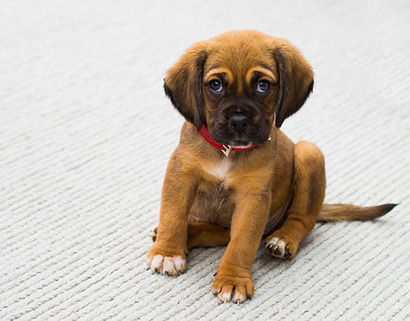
[[347, 212]]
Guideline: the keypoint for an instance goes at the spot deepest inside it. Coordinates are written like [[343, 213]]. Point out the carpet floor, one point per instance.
[[86, 133]]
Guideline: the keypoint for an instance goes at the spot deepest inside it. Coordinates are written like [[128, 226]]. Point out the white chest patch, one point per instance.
[[220, 170]]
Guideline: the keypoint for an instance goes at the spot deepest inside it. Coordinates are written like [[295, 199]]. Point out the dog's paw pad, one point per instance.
[[280, 247], [167, 265]]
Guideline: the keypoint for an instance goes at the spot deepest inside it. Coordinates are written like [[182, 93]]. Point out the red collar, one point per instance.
[[226, 149]]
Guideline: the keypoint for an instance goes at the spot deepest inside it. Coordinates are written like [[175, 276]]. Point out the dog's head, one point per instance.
[[237, 82]]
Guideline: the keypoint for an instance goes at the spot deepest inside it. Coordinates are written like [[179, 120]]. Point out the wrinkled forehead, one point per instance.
[[240, 64]]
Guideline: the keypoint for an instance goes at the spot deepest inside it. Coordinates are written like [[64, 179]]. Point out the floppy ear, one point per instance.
[[295, 79], [183, 84]]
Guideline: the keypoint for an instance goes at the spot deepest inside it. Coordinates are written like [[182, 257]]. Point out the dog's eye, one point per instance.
[[215, 85], [263, 86]]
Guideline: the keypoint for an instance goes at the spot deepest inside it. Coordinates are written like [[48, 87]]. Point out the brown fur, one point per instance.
[[348, 212], [210, 200]]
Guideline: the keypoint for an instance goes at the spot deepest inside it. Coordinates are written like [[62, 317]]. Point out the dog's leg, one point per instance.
[[168, 254], [309, 193], [207, 235], [233, 281], [203, 235]]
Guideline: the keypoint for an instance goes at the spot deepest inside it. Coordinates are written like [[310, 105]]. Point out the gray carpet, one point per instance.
[[86, 133]]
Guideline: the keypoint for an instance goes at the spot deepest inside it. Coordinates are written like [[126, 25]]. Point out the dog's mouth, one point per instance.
[[240, 144], [243, 141], [253, 134]]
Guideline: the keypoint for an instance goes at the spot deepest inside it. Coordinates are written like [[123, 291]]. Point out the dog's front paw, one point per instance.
[[281, 246], [231, 288], [166, 257], [167, 265]]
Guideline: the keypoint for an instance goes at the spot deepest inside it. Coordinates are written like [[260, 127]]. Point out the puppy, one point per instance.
[[235, 177]]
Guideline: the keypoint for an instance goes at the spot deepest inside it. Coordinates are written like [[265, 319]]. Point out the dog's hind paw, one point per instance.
[[281, 247], [153, 234]]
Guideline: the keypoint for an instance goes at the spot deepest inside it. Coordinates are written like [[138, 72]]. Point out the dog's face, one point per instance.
[[236, 83], [240, 92]]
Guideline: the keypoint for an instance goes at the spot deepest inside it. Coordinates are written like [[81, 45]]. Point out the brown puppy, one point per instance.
[[235, 177]]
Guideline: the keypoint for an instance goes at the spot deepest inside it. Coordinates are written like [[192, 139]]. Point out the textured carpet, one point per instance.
[[86, 133]]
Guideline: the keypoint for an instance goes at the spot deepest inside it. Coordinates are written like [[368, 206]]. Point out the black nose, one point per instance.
[[239, 123]]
